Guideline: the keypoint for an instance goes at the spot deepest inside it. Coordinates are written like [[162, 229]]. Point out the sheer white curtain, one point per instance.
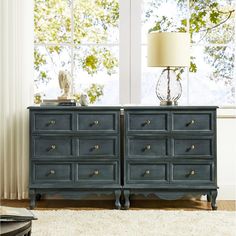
[[16, 75]]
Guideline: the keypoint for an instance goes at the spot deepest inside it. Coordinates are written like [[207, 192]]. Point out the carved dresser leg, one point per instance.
[[32, 196], [213, 200], [117, 202], [127, 202], [209, 197]]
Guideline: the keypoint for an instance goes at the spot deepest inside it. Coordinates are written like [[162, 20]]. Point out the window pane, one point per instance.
[[212, 21], [96, 73], [96, 21], [213, 83], [163, 15], [48, 61], [52, 21]]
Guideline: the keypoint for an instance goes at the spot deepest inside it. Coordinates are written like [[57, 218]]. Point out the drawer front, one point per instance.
[[147, 122], [147, 147], [193, 172], [52, 146], [97, 122], [52, 122], [193, 147], [192, 121], [53, 172], [143, 173], [97, 172], [97, 147]]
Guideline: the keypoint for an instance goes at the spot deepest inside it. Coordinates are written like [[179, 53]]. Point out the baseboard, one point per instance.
[[227, 192]]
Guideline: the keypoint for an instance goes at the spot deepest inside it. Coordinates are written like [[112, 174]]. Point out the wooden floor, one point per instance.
[[135, 204]]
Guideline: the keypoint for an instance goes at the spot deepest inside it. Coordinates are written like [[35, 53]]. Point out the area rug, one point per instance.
[[134, 223]]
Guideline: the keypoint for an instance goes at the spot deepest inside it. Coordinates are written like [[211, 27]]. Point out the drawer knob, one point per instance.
[[191, 122], [148, 147], [52, 172], [96, 122], [192, 147], [192, 172], [52, 122], [147, 122], [96, 147], [96, 172], [53, 147], [147, 172]]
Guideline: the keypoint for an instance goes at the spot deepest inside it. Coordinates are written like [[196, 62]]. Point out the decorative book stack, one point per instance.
[[58, 102]]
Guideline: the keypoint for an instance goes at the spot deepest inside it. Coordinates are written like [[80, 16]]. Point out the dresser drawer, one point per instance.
[[198, 172], [147, 121], [95, 172], [52, 172], [105, 147], [192, 121], [193, 147], [97, 121], [52, 122], [143, 173], [44, 146], [148, 147]]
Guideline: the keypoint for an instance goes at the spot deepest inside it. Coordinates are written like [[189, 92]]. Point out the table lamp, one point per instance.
[[169, 50]]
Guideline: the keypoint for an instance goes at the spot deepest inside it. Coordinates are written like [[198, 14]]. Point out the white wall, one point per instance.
[[226, 151]]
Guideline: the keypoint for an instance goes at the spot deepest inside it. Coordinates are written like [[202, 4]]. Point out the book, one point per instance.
[[58, 102], [13, 214]]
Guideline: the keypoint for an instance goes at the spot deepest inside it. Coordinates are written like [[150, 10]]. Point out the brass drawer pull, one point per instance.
[[146, 122], [191, 122], [96, 147], [52, 122], [147, 172], [53, 147], [96, 122], [191, 173], [192, 147], [52, 172], [96, 172], [148, 147]]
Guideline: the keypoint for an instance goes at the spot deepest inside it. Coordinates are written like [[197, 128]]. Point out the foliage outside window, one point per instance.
[[80, 37], [211, 24]]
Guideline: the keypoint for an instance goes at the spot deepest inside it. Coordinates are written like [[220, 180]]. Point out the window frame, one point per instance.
[[130, 53]]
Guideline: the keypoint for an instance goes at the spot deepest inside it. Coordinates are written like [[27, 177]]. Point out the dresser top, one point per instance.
[[118, 107], [74, 107]]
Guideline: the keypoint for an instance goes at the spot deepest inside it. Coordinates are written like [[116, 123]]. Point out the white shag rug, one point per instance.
[[133, 223]]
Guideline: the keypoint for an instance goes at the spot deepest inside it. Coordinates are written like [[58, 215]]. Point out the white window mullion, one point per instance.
[[136, 52], [124, 52], [188, 30], [72, 46]]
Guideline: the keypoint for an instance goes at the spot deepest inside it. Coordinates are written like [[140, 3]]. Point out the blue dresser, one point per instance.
[[170, 152], [78, 152], [74, 152]]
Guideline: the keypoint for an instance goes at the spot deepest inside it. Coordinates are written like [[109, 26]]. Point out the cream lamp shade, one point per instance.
[[168, 49]]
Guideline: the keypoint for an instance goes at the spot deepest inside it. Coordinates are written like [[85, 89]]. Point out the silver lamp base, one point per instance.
[[169, 103]]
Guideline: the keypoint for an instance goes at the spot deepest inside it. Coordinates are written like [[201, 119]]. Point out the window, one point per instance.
[[102, 44], [211, 23], [80, 37]]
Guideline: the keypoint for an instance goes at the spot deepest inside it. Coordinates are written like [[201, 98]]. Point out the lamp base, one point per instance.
[[169, 103], [168, 88]]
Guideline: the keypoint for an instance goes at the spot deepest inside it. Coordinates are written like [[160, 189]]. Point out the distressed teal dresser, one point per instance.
[[74, 152], [170, 152]]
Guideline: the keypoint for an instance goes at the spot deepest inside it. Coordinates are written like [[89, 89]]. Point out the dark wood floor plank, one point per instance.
[[135, 204]]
